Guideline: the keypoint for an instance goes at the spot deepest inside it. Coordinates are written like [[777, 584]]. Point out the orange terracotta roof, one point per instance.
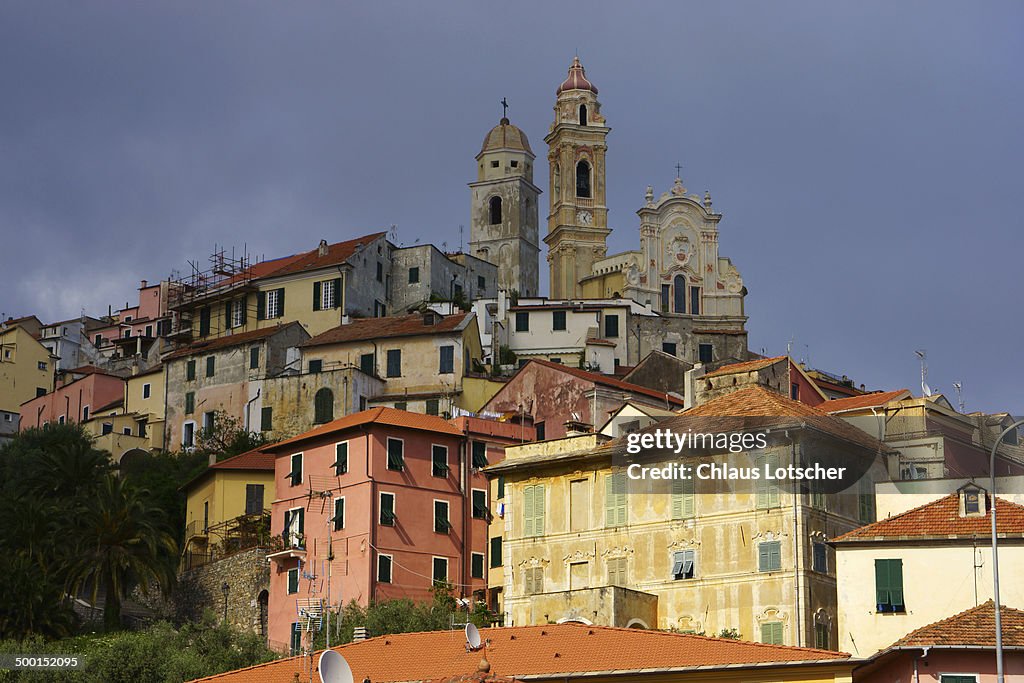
[[941, 518], [382, 416], [973, 627], [746, 366], [608, 381], [255, 459], [873, 400], [337, 253], [226, 342], [546, 651], [383, 328]]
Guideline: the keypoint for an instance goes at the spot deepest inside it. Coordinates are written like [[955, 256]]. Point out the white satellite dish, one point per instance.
[[473, 641], [333, 668]]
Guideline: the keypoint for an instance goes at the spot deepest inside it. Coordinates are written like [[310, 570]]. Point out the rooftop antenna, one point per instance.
[[394, 233], [959, 386], [333, 668], [460, 238], [923, 355], [789, 347]]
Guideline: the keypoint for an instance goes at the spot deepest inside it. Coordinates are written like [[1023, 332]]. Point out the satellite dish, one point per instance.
[[333, 668], [473, 637]]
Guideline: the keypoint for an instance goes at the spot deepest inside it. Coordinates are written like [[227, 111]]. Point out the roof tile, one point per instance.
[[973, 627], [872, 400], [382, 415], [382, 328], [941, 518]]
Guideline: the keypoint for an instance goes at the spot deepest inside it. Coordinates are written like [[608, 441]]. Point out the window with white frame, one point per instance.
[[384, 563], [238, 313], [274, 300]]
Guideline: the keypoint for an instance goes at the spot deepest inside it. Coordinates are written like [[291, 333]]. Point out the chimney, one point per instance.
[[577, 428], [322, 249], [144, 284], [358, 634]]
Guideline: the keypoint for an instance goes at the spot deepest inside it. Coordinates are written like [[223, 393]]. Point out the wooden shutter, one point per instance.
[[280, 302], [339, 513], [337, 292], [316, 296], [682, 498], [243, 302], [615, 499], [771, 633], [261, 306], [528, 511], [538, 511]]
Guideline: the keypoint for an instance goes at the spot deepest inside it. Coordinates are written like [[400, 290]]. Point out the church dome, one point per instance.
[[505, 136], [577, 79]]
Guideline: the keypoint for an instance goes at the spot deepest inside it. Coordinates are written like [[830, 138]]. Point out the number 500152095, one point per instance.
[[29, 662]]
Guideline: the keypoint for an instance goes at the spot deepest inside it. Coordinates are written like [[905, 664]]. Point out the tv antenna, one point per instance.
[[333, 668], [959, 386], [923, 355]]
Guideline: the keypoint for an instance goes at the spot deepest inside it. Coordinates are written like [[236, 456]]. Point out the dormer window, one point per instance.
[[972, 501]]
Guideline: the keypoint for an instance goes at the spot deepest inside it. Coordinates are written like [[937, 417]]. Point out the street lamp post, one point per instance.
[[995, 550], [225, 588]]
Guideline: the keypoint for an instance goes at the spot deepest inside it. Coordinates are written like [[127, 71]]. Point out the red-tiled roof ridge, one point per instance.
[[963, 629], [918, 522], [608, 380], [873, 399], [745, 366], [389, 327], [337, 253], [256, 459], [379, 415]]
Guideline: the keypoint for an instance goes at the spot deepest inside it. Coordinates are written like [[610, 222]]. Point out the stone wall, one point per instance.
[[247, 574]]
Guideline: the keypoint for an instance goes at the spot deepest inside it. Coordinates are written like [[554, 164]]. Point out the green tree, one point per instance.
[[227, 438], [121, 542], [163, 474]]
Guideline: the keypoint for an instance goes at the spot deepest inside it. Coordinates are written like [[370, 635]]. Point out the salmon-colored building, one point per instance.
[[378, 505], [85, 390]]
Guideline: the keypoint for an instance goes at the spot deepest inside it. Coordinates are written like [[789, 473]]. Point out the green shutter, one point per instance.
[[316, 296], [538, 510], [682, 498], [773, 489], [771, 633], [528, 511], [337, 292], [339, 513], [609, 500], [243, 302], [280, 301], [227, 316], [896, 583], [261, 306]]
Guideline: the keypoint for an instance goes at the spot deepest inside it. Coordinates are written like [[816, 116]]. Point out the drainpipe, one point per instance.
[[924, 654], [796, 553], [467, 505], [248, 404]]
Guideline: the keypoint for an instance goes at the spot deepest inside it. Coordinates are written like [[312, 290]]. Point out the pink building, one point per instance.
[[86, 390], [960, 649], [395, 498]]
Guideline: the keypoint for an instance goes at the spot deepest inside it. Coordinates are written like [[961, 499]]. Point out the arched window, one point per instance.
[[679, 284], [323, 406], [583, 179], [583, 114], [495, 207]]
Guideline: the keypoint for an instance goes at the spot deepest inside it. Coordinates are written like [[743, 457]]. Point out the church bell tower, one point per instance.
[[578, 214]]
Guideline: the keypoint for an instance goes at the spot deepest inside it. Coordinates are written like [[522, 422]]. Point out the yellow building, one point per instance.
[[144, 401], [585, 541], [229, 498], [422, 358], [26, 369]]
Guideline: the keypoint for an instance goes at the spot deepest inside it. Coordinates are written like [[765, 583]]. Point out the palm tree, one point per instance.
[[121, 542]]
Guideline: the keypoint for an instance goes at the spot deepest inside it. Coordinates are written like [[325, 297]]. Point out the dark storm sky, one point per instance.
[[866, 155]]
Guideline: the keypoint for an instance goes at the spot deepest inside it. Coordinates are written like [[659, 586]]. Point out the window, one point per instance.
[[533, 510], [665, 296], [771, 633], [339, 514], [679, 291], [972, 501], [97, 342], [42, 365], [583, 179], [514, 164], [539, 427], [253, 499], [40, 392], [705, 353], [447, 359], [204, 321], [669, 348], [767, 492], [441, 525], [615, 499], [558, 320], [190, 402], [683, 491], [522, 321], [340, 458], [821, 637], [496, 551], [384, 568], [583, 114], [294, 527], [211, 363], [127, 431], [533, 580], [479, 504], [188, 437], [254, 357], [366, 364], [819, 557], [85, 412], [316, 366], [479, 454], [394, 362], [494, 211], [295, 473], [889, 586], [769, 556], [617, 571], [501, 487], [433, 406], [440, 570], [380, 272], [579, 505], [396, 454], [323, 406], [270, 304], [555, 360], [611, 326], [108, 427], [236, 313], [387, 509], [206, 516], [414, 275], [327, 294], [293, 581], [794, 391], [476, 565], [190, 370], [208, 419], [296, 640], [866, 501], [695, 300], [141, 425], [494, 164], [958, 678], [146, 389], [401, 405], [683, 564], [60, 420], [439, 461], [819, 501], [149, 329], [266, 419], [481, 282]]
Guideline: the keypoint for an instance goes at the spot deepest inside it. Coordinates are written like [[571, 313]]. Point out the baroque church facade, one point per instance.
[[676, 270]]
